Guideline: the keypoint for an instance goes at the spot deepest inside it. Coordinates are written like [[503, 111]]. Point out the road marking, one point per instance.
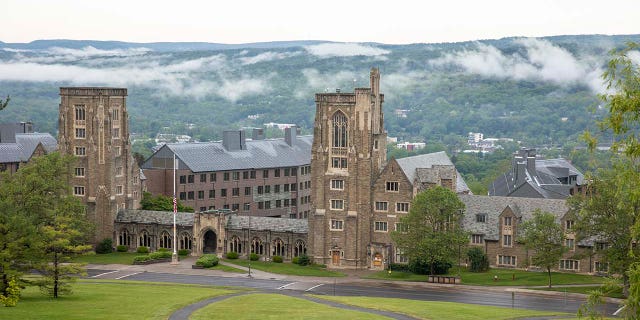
[[102, 274], [313, 287], [286, 285], [128, 275]]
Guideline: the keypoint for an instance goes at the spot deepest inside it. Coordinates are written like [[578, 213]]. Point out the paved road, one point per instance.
[[493, 297]]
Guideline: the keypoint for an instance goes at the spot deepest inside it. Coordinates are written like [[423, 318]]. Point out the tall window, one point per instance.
[[506, 240], [124, 239], [257, 246], [300, 248], [381, 226], [185, 241], [339, 130], [80, 113], [145, 239], [165, 240], [80, 133], [79, 172], [235, 245], [81, 151], [278, 248]]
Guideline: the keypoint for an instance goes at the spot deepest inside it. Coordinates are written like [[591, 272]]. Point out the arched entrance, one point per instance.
[[210, 242]]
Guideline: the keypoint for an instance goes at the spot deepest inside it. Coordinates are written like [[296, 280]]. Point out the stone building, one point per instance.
[[93, 126], [19, 144], [258, 177]]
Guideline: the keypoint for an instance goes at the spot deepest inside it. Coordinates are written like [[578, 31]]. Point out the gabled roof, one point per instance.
[[25, 145], [266, 223], [493, 206], [410, 164], [154, 217], [549, 166], [212, 156]]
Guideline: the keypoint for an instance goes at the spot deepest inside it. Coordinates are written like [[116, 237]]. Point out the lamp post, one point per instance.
[[174, 256]]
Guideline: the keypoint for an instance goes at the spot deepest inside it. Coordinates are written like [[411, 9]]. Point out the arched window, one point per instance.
[[278, 248], [339, 130], [235, 245], [145, 239], [124, 239], [300, 248], [185, 241], [165, 240], [257, 246]]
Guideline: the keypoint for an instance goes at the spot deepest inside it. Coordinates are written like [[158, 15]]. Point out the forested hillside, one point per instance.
[[539, 91]]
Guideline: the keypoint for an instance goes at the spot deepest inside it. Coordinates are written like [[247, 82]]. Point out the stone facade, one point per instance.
[[93, 126]]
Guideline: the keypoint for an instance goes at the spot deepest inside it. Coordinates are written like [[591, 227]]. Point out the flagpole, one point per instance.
[[174, 256]]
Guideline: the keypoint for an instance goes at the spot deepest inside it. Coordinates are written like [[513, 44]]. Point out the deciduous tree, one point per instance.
[[546, 237], [434, 231]]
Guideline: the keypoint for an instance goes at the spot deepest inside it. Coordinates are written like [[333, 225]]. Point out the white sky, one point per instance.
[[241, 21]]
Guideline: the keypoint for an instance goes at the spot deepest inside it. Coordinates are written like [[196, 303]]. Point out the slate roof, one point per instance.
[[270, 153], [410, 164], [267, 223], [184, 219], [549, 166], [25, 145], [492, 207]]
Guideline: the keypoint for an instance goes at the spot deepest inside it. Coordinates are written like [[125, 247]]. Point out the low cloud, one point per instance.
[[90, 51], [543, 62], [344, 50], [267, 56]]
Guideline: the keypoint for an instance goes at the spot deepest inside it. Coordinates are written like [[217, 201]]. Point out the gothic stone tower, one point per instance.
[[93, 126], [348, 153]]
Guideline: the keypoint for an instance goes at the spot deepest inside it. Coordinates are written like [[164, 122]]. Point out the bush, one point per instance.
[[254, 257], [295, 260], [184, 252], [160, 255], [304, 260], [142, 249], [163, 250], [105, 246], [141, 259], [122, 248], [478, 261], [232, 255], [207, 261], [402, 267], [421, 266], [277, 259]]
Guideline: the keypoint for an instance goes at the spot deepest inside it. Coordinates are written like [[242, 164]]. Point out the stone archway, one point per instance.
[[209, 242]]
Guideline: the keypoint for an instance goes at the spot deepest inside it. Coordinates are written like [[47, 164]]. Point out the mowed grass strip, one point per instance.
[[437, 309], [111, 300], [287, 268], [222, 267], [617, 293], [109, 258], [506, 277], [275, 306]]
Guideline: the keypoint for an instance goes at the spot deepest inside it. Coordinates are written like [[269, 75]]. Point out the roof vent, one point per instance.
[[290, 135], [234, 140]]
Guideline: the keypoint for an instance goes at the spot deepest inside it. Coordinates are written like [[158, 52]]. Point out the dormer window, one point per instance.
[[507, 221]]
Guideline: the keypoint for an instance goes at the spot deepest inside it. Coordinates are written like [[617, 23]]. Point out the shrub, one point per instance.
[[254, 257], [207, 261], [13, 294], [232, 255], [184, 252], [105, 246], [277, 259], [421, 266], [402, 267], [295, 260], [478, 261], [163, 250], [122, 248], [160, 255], [304, 260], [141, 259], [142, 249]]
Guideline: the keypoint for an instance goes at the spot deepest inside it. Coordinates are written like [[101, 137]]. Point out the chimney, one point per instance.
[[234, 140], [257, 134], [290, 135], [375, 81], [531, 161]]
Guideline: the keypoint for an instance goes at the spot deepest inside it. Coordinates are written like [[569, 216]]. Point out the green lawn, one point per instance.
[[505, 277], [287, 268], [438, 309], [275, 306], [224, 268], [109, 258], [617, 293], [110, 300]]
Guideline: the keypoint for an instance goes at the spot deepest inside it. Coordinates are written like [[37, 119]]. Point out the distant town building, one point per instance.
[[19, 144], [401, 113], [475, 137], [280, 126], [392, 139], [533, 178], [411, 146], [162, 138]]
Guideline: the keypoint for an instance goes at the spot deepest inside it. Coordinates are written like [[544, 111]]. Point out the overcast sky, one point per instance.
[[239, 21]]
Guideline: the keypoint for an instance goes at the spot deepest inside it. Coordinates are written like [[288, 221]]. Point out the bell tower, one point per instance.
[[348, 153]]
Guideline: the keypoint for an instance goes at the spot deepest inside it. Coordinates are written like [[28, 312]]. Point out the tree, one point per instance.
[[3, 104], [161, 203], [33, 202], [434, 232], [546, 237], [478, 261]]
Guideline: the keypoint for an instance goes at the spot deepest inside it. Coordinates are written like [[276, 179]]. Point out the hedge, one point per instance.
[[232, 255], [254, 257], [184, 252], [277, 259], [142, 249], [122, 248], [207, 261]]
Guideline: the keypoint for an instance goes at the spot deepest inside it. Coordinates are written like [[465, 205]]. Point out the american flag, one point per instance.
[[175, 205]]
